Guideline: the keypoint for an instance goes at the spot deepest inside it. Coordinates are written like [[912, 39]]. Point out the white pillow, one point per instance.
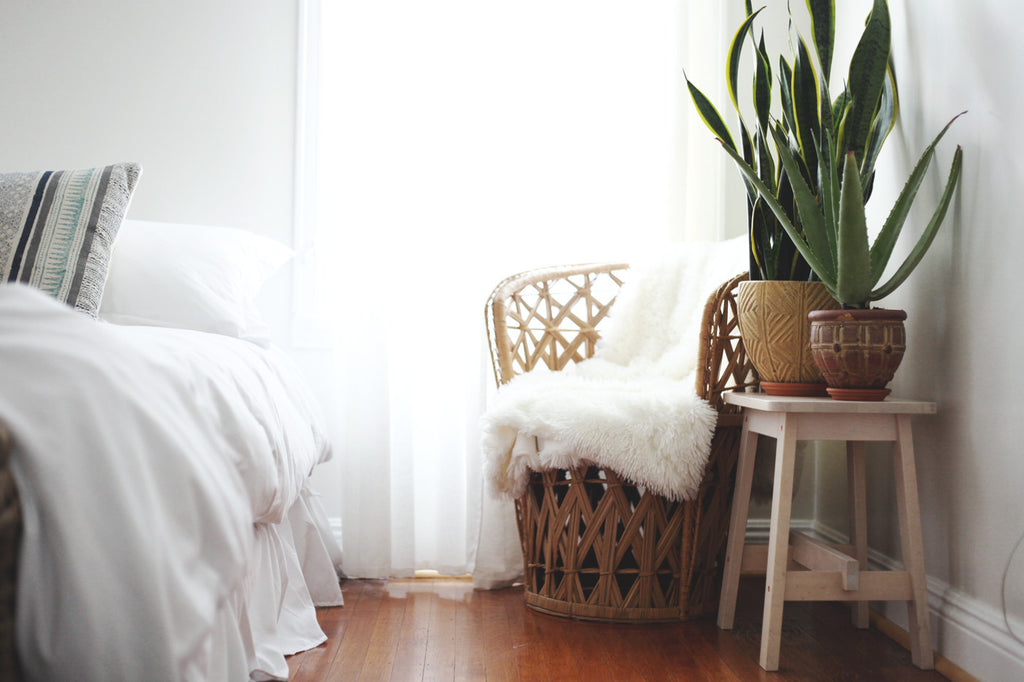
[[190, 276]]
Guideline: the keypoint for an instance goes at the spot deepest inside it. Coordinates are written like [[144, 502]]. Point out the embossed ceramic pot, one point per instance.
[[772, 316], [858, 351]]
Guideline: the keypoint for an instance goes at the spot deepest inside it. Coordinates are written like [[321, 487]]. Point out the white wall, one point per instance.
[[964, 319], [201, 93]]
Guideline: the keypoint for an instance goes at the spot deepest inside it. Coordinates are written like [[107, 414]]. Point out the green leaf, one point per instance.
[[765, 162], [853, 272], [881, 250], [806, 101], [785, 90], [882, 124], [812, 220], [929, 233], [762, 86], [709, 114], [732, 72], [866, 78], [823, 30], [828, 183]]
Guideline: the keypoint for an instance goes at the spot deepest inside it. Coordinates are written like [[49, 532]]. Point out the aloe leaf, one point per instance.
[[866, 78], [881, 250], [823, 30], [853, 271], [812, 220], [734, 55], [709, 114], [917, 253]]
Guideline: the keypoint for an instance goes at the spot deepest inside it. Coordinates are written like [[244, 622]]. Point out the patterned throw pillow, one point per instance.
[[57, 229]]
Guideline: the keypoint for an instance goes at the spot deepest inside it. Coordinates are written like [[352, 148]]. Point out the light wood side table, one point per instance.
[[802, 568]]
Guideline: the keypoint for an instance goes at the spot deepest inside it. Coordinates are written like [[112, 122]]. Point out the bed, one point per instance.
[[156, 518]]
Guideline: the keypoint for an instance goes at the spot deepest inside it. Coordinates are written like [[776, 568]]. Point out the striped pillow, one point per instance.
[[57, 229]]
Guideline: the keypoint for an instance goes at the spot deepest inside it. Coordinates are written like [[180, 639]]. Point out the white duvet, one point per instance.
[[169, 532]]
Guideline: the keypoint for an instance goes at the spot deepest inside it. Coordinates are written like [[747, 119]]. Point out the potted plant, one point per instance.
[[783, 287], [857, 348]]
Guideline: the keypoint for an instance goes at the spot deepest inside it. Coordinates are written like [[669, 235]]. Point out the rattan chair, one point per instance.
[[596, 546]]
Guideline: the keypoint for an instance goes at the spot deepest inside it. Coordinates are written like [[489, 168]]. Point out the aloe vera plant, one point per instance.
[[858, 120], [834, 239]]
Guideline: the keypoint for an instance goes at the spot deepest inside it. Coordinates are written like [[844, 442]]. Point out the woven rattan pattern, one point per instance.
[[10, 537], [596, 546]]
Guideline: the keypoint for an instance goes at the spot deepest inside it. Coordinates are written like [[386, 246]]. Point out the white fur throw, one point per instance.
[[633, 407]]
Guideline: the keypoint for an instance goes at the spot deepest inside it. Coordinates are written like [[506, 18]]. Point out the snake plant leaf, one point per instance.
[[806, 98], [823, 30], [828, 188], [866, 78], [929, 233], [761, 243], [883, 123], [732, 61], [781, 215], [765, 162], [812, 220], [762, 85], [853, 271], [709, 114], [881, 250], [785, 90]]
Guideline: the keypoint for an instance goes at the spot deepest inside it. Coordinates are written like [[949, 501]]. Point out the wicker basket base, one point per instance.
[[604, 614]]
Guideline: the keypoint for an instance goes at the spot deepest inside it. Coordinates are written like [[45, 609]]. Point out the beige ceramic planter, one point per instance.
[[773, 322]]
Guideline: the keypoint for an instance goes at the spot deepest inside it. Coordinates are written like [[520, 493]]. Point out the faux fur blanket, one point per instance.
[[633, 407]]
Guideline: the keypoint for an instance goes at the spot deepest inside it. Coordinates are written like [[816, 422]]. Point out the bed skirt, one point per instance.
[[270, 615], [10, 535]]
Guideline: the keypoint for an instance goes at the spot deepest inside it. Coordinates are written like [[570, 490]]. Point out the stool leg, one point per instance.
[[778, 545], [737, 527], [857, 496], [912, 545]]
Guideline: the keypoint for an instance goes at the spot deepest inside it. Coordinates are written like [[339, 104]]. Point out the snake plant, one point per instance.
[[858, 120]]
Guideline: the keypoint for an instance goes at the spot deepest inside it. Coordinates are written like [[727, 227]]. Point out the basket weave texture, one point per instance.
[[10, 538], [595, 545]]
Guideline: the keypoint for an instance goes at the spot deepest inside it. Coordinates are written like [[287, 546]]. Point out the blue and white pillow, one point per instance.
[[57, 229]]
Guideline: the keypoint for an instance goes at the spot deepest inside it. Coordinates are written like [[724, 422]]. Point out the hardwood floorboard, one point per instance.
[[444, 630]]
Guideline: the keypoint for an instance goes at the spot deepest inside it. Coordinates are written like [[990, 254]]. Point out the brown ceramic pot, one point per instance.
[[858, 351], [773, 322]]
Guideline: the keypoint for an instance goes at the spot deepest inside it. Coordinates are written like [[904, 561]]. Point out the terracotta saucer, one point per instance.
[[792, 389], [872, 394]]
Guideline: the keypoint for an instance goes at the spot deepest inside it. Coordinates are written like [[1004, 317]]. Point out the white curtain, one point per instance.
[[460, 141]]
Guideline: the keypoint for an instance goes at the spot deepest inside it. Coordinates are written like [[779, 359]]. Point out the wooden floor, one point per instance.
[[444, 630]]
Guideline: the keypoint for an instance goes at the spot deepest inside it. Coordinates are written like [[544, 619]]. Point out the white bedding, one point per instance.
[[169, 530]]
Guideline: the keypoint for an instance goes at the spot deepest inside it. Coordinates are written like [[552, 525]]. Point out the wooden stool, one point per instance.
[[801, 568]]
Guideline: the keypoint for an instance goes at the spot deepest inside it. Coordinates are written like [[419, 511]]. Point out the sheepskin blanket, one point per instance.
[[633, 407]]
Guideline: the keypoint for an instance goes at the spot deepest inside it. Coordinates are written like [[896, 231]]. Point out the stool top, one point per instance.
[[779, 403]]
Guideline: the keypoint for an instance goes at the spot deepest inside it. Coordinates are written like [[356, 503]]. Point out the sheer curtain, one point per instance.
[[459, 141]]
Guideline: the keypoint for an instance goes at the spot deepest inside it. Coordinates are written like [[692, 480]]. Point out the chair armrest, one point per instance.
[[722, 363], [549, 316]]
